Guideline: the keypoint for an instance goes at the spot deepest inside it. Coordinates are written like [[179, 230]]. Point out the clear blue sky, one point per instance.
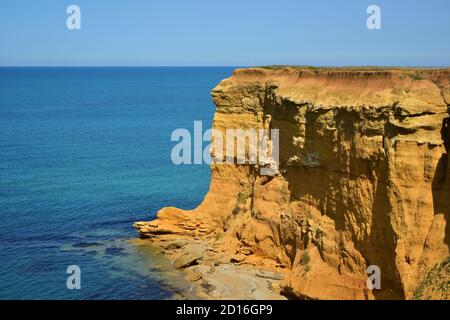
[[226, 32]]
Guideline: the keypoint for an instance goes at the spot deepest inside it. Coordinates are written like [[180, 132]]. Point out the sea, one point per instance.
[[84, 153]]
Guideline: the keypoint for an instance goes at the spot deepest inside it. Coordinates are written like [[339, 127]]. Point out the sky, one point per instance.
[[224, 33]]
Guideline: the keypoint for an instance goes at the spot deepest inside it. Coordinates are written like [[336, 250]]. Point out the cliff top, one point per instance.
[[417, 90], [412, 73], [349, 68]]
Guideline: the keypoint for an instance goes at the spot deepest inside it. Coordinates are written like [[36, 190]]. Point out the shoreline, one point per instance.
[[213, 273]]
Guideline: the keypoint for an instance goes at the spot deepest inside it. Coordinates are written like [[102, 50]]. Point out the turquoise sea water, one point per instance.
[[85, 152]]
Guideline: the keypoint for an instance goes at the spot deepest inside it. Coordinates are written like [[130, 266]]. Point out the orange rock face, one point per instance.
[[364, 179]]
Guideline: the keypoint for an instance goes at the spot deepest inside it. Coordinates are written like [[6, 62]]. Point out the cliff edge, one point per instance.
[[364, 179]]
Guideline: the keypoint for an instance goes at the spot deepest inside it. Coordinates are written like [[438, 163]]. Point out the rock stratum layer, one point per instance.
[[364, 180]]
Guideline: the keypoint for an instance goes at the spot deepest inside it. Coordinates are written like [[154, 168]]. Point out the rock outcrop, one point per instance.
[[364, 180]]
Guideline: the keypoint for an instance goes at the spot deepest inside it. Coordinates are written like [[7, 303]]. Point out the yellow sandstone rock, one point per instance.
[[364, 180]]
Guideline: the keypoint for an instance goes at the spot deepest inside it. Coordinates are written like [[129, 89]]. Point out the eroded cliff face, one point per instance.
[[364, 180]]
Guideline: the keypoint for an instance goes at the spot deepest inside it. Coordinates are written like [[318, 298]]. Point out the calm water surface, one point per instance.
[[85, 152]]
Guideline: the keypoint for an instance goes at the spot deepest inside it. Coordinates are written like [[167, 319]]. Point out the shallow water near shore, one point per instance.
[[85, 152]]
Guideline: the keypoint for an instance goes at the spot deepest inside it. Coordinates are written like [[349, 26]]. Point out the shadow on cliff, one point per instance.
[[379, 248], [441, 183], [332, 188]]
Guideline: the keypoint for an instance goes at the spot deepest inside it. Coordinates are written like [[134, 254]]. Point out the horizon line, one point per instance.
[[226, 66], [125, 66]]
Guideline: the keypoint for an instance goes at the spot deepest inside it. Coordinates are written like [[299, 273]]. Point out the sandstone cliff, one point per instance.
[[364, 180]]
